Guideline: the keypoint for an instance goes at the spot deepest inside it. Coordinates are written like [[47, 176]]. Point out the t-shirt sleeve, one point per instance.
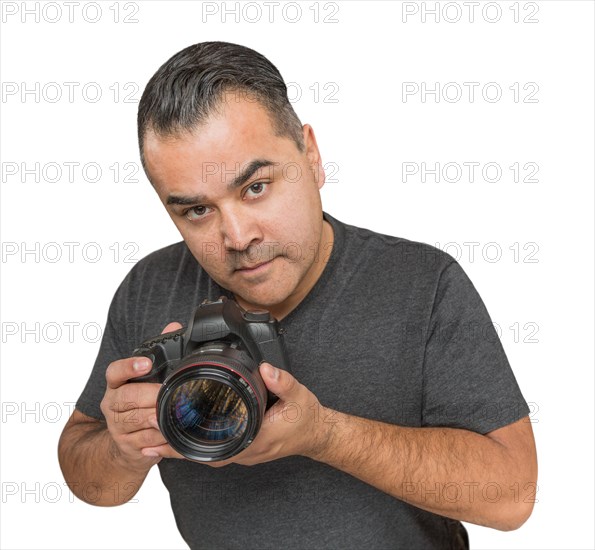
[[468, 381], [115, 344]]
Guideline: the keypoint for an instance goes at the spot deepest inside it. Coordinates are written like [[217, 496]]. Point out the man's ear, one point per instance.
[[313, 155]]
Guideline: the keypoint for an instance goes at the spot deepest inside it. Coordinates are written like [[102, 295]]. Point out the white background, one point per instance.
[[372, 49]]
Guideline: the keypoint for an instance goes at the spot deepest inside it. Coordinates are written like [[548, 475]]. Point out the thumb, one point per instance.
[[171, 327], [278, 381]]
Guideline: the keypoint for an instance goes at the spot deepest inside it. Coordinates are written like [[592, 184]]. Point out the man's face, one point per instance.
[[247, 203]]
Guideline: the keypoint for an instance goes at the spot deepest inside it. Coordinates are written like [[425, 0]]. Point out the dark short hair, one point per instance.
[[191, 85]]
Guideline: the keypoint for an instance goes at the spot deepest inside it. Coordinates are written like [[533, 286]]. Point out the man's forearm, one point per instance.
[[93, 468], [452, 472]]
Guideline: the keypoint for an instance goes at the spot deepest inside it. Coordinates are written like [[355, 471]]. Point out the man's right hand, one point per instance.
[[115, 456], [130, 413]]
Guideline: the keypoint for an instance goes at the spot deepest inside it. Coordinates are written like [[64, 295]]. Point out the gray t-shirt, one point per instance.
[[393, 330]]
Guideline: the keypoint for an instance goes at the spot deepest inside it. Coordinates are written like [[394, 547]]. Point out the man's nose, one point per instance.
[[240, 228]]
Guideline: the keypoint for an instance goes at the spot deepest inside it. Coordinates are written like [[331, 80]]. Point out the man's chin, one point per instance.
[[266, 288], [260, 293]]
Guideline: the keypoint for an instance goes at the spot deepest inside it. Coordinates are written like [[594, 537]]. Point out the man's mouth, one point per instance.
[[254, 267]]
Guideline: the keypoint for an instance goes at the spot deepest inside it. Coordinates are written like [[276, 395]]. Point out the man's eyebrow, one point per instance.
[[249, 171], [185, 201], [238, 181]]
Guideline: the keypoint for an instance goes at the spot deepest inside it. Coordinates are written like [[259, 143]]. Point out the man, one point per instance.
[[401, 416]]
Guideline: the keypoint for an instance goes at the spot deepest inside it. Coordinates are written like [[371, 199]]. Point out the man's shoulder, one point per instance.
[[394, 251]]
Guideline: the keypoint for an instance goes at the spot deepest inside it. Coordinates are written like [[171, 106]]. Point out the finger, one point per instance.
[[134, 396], [134, 420], [163, 451], [144, 438], [171, 327], [119, 372], [279, 382]]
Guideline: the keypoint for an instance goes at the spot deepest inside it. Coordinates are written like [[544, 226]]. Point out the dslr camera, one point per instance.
[[212, 400]]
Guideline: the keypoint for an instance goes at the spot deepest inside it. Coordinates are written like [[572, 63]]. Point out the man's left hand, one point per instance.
[[297, 424]]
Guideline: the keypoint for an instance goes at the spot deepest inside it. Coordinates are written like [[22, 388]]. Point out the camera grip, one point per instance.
[[155, 374], [162, 350]]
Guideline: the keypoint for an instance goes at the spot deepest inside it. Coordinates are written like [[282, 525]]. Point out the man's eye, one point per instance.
[[257, 188], [196, 212]]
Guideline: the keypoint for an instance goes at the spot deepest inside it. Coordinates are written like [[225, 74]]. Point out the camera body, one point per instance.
[[212, 399]]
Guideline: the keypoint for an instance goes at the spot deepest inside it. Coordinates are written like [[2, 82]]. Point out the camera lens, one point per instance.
[[211, 407], [208, 411]]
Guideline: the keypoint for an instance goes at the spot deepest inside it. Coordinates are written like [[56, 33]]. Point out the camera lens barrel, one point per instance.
[[211, 407]]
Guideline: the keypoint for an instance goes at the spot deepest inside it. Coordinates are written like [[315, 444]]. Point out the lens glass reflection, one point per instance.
[[208, 411]]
